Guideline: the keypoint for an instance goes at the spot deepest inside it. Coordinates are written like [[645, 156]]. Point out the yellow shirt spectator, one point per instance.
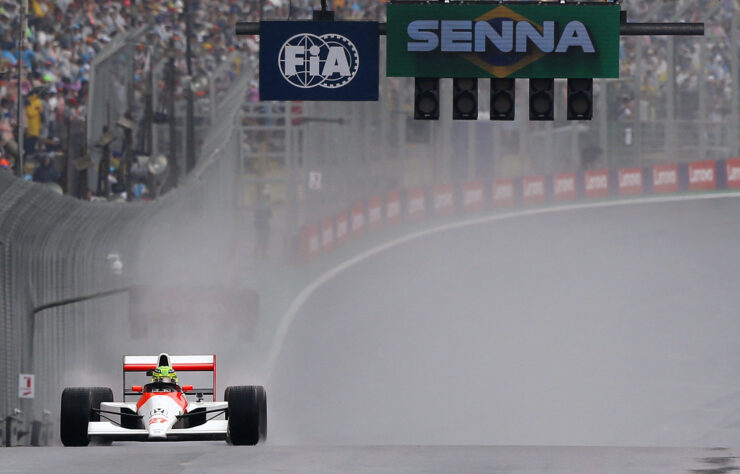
[[34, 109]]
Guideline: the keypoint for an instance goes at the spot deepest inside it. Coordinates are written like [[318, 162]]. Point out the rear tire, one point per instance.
[[76, 413], [247, 415]]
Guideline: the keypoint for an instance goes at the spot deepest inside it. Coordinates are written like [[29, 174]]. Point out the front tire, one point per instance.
[[76, 412], [247, 415]]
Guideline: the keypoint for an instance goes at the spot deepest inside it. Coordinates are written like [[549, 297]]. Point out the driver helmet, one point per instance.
[[164, 374]]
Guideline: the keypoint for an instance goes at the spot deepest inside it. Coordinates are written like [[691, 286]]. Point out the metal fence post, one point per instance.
[[735, 104], [702, 118]]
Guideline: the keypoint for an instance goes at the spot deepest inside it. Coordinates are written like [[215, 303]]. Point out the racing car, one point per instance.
[[164, 411]]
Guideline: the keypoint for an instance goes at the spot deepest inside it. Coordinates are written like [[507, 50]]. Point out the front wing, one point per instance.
[[210, 430]]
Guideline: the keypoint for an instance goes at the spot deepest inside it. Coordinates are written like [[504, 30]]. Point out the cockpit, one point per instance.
[[161, 387]]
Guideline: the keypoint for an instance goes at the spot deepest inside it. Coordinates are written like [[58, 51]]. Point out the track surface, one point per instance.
[[197, 458], [614, 326]]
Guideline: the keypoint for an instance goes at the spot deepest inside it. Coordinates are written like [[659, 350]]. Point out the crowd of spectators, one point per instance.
[[64, 36], [62, 40]]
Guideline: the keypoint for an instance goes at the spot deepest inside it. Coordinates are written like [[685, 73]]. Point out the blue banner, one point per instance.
[[319, 60]]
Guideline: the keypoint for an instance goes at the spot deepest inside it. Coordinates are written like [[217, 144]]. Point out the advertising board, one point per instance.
[[702, 176], [473, 197], [564, 186], [665, 178], [319, 60], [596, 183], [502, 191], [630, 181], [533, 189], [444, 200], [543, 40]]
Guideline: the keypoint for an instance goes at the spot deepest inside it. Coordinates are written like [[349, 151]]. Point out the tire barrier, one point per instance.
[[444, 200]]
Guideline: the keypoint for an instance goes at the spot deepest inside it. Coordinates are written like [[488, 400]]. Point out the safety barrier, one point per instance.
[[418, 203]]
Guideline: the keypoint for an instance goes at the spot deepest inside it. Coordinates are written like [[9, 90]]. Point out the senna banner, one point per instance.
[[503, 40]]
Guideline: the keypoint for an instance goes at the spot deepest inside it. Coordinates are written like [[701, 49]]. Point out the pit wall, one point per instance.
[[466, 198]]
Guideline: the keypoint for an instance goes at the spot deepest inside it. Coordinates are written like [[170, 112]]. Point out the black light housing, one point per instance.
[[464, 98], [503, 105], [426, 98], [580, 99], [541, 99]]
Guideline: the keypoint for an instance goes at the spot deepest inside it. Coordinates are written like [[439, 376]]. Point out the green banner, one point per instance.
[[503, 40]]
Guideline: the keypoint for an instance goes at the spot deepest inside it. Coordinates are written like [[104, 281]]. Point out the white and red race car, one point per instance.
[[164, 411]]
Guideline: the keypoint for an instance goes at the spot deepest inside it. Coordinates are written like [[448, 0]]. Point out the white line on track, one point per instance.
[[290, 315]]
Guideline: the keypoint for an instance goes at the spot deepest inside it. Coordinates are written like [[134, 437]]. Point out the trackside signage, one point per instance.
[[342, 228], [318, 60], [310, 244], [473, 197], [702, 176], [327, 234], [630, 181], [596, 183], [733, 172], [533, 189], [444, 200], [493, 40], [393, 207], [374, 213], [564, 186], [502, 191], [358, 218], [665, 178], [416, 203]]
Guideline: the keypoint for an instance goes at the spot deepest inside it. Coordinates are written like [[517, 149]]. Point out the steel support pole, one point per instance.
[[174, 165], [637, 116], [735, 104], [670, 122], [190, 119], [22, 25], [702, 119], [603, 110]]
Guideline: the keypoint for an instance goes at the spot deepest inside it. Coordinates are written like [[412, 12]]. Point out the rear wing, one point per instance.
[[182, 363]]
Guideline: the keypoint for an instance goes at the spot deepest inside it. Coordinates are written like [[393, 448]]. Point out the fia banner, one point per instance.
[[318, 60]]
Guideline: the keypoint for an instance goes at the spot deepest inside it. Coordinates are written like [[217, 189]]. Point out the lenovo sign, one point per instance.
[[327, 234], [393, 207], [733, 172], [630, 181], [473, 196], [702, 176], [342, 231], [416, 203], [596, 183], [665, 178], [503, 192], [374, 213], [564, 186], [533, 189], [358, 219], [310, 241], [444, 200]]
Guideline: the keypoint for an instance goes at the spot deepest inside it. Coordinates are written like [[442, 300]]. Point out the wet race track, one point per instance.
[[613, 326], [211, 457]]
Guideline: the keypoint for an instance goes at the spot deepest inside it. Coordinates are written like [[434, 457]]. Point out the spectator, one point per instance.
[[34, 110], [46, 172]]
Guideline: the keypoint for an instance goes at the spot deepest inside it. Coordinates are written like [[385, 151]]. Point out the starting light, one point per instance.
[[464, 98], [580, 99], [426, 98], [541, 99], [502, 99]]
